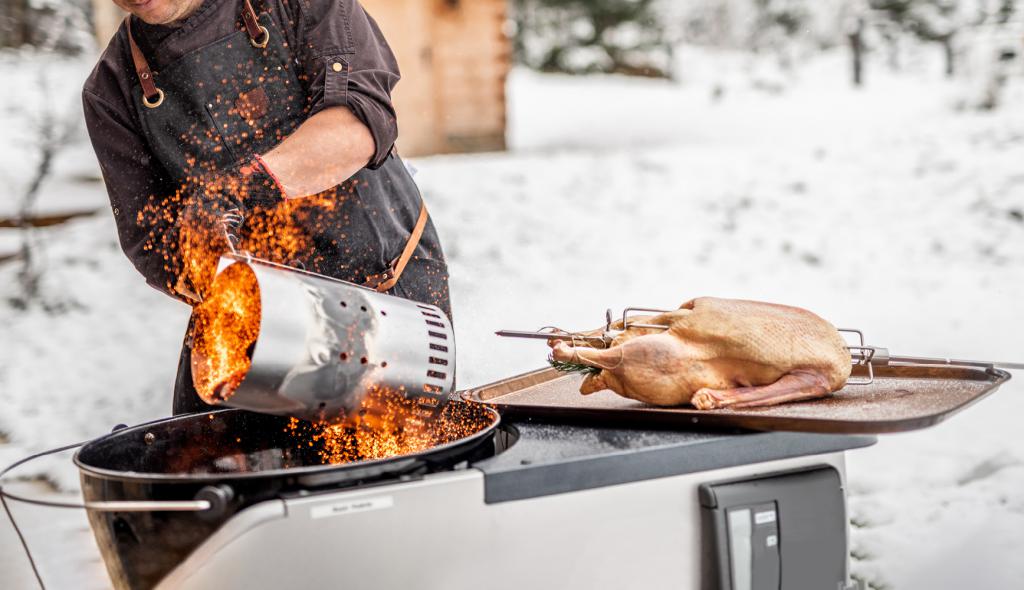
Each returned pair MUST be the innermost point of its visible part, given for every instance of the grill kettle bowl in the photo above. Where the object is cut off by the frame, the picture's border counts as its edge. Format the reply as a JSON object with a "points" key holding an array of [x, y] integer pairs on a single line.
{"points": [[251, 457]]}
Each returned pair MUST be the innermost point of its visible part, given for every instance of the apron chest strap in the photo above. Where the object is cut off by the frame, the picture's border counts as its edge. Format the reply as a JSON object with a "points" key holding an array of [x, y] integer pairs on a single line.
{"points": [[152, 96], [389, 278]]}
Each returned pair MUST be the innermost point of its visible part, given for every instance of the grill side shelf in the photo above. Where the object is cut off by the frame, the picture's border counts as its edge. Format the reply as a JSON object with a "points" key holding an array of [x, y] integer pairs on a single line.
{"points": [[902, 398]]}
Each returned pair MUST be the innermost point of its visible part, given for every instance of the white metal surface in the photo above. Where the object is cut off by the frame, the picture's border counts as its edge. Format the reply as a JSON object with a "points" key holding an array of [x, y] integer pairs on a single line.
{"points": [[439, 533]]}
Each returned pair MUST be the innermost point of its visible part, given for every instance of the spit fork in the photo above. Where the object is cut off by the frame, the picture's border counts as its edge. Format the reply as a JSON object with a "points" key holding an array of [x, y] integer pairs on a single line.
{"points": [[861, 354]]}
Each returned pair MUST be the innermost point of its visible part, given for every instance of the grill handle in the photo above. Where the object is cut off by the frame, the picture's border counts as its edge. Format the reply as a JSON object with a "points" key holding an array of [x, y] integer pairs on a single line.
{"points": [[209, 498], [210, 501]]}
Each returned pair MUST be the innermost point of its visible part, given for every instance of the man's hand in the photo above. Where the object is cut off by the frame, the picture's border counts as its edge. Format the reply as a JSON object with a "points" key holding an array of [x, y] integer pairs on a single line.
{"points": [[211, 221], [244, 187]]}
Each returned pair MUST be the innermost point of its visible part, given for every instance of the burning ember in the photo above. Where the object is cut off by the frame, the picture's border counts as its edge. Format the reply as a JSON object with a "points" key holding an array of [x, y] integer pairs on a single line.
{"points": [[286, 231], [387, 425], [282, 233], [227, 324]]}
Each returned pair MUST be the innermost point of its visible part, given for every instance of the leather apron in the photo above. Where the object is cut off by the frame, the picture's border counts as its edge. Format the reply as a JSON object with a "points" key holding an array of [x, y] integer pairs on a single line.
{"points": [[219, 106]]}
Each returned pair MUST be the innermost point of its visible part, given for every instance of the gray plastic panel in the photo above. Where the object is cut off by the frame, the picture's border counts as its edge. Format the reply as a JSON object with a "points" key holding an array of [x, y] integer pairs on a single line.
{"points": [[558, 458], [804, 510]]}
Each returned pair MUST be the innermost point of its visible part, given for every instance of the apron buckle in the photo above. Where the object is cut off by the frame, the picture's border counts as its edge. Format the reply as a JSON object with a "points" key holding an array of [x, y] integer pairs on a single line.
{"points": [[389, 278], [383, 281], [262, 40]]}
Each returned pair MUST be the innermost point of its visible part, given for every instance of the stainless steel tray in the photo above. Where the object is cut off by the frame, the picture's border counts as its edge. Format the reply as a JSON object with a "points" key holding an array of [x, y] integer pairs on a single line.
{"points": [[900, 399]]}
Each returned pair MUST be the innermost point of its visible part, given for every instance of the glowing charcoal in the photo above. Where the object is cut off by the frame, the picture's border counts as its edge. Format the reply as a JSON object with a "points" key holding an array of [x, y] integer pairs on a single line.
{"points": [[387, 425], [226, 327]]}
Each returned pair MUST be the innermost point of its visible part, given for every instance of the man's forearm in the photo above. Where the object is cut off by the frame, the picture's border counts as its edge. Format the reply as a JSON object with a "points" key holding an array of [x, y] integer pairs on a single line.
{"points": [[324, 151]]}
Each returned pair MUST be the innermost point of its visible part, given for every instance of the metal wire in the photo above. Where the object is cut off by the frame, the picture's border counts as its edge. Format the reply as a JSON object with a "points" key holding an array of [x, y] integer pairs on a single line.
{"points": [[24, 544], [625, 318], [861, 355], [5, 494], [190, 506]]}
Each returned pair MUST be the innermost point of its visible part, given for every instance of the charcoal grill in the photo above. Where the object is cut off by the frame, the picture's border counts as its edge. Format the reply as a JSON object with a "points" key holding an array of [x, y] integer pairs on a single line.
{"points": [[561, 497], [228, 499], [226, 461], [554, 495]]}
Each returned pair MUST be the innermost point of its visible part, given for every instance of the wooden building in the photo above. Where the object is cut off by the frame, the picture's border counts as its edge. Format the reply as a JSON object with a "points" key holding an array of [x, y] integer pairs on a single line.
{"points": [[454, 56]]}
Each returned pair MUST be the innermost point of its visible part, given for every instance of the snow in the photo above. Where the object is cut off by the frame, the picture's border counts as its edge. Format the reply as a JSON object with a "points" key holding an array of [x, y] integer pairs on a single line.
{"points": [[883, 208]]}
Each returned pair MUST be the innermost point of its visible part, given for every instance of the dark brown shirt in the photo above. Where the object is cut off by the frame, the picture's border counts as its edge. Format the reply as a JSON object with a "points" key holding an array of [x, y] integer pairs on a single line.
{"points": [[317, 31]]}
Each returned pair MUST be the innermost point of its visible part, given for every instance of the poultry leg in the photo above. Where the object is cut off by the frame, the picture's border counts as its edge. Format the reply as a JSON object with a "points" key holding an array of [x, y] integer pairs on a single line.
{"points": [[798, 385]]}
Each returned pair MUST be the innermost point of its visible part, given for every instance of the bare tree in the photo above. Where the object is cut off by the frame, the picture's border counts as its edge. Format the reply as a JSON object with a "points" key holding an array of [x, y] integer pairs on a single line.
{"points": [[51, 130], [856, 39], [51, 127]]}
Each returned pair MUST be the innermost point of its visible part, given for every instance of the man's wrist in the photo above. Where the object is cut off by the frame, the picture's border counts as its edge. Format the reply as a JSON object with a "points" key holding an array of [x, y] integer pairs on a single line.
{"points": [[253, 185], [261, 163]]}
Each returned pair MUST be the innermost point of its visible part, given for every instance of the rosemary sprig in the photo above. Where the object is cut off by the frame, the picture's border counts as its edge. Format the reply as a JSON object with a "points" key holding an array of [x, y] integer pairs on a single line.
{"points": [[568, 367]]}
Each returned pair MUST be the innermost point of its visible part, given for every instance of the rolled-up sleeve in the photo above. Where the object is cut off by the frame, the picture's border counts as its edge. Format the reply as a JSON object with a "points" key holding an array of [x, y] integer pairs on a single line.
{"points": [[348, 63], [137, 188]]}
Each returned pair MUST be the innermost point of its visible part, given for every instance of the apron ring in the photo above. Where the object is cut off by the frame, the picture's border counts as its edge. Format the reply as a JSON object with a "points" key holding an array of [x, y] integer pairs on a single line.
{"points": [[265, 38], [159, 99]]}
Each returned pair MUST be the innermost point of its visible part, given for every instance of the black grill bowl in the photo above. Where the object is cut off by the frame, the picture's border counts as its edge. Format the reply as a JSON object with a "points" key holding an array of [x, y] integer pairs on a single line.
{"points": [[248, 457]]}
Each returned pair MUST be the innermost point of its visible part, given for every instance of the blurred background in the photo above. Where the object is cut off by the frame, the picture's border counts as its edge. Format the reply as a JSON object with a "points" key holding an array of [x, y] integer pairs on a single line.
{"points": [[861, 158]]}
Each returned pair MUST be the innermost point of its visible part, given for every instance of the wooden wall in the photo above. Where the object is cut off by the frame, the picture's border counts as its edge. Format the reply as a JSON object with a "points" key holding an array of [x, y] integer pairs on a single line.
{"points": [[454, 57], [106, 17]]}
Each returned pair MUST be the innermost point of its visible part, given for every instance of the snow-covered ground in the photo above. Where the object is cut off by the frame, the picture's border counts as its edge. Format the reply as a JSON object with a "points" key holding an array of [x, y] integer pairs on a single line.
{"points": [[882, 208]]}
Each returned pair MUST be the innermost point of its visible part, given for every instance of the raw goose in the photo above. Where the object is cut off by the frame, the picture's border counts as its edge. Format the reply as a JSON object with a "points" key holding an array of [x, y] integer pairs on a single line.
{"points": [[719, 353]]}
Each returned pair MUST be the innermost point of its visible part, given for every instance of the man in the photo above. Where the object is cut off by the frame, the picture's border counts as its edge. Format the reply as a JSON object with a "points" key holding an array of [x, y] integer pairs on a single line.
{"points": [[269, 121]]}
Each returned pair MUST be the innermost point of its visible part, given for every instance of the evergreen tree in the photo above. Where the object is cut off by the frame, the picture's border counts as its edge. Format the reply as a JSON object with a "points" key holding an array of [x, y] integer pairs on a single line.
{"points": [[579, 36]]}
